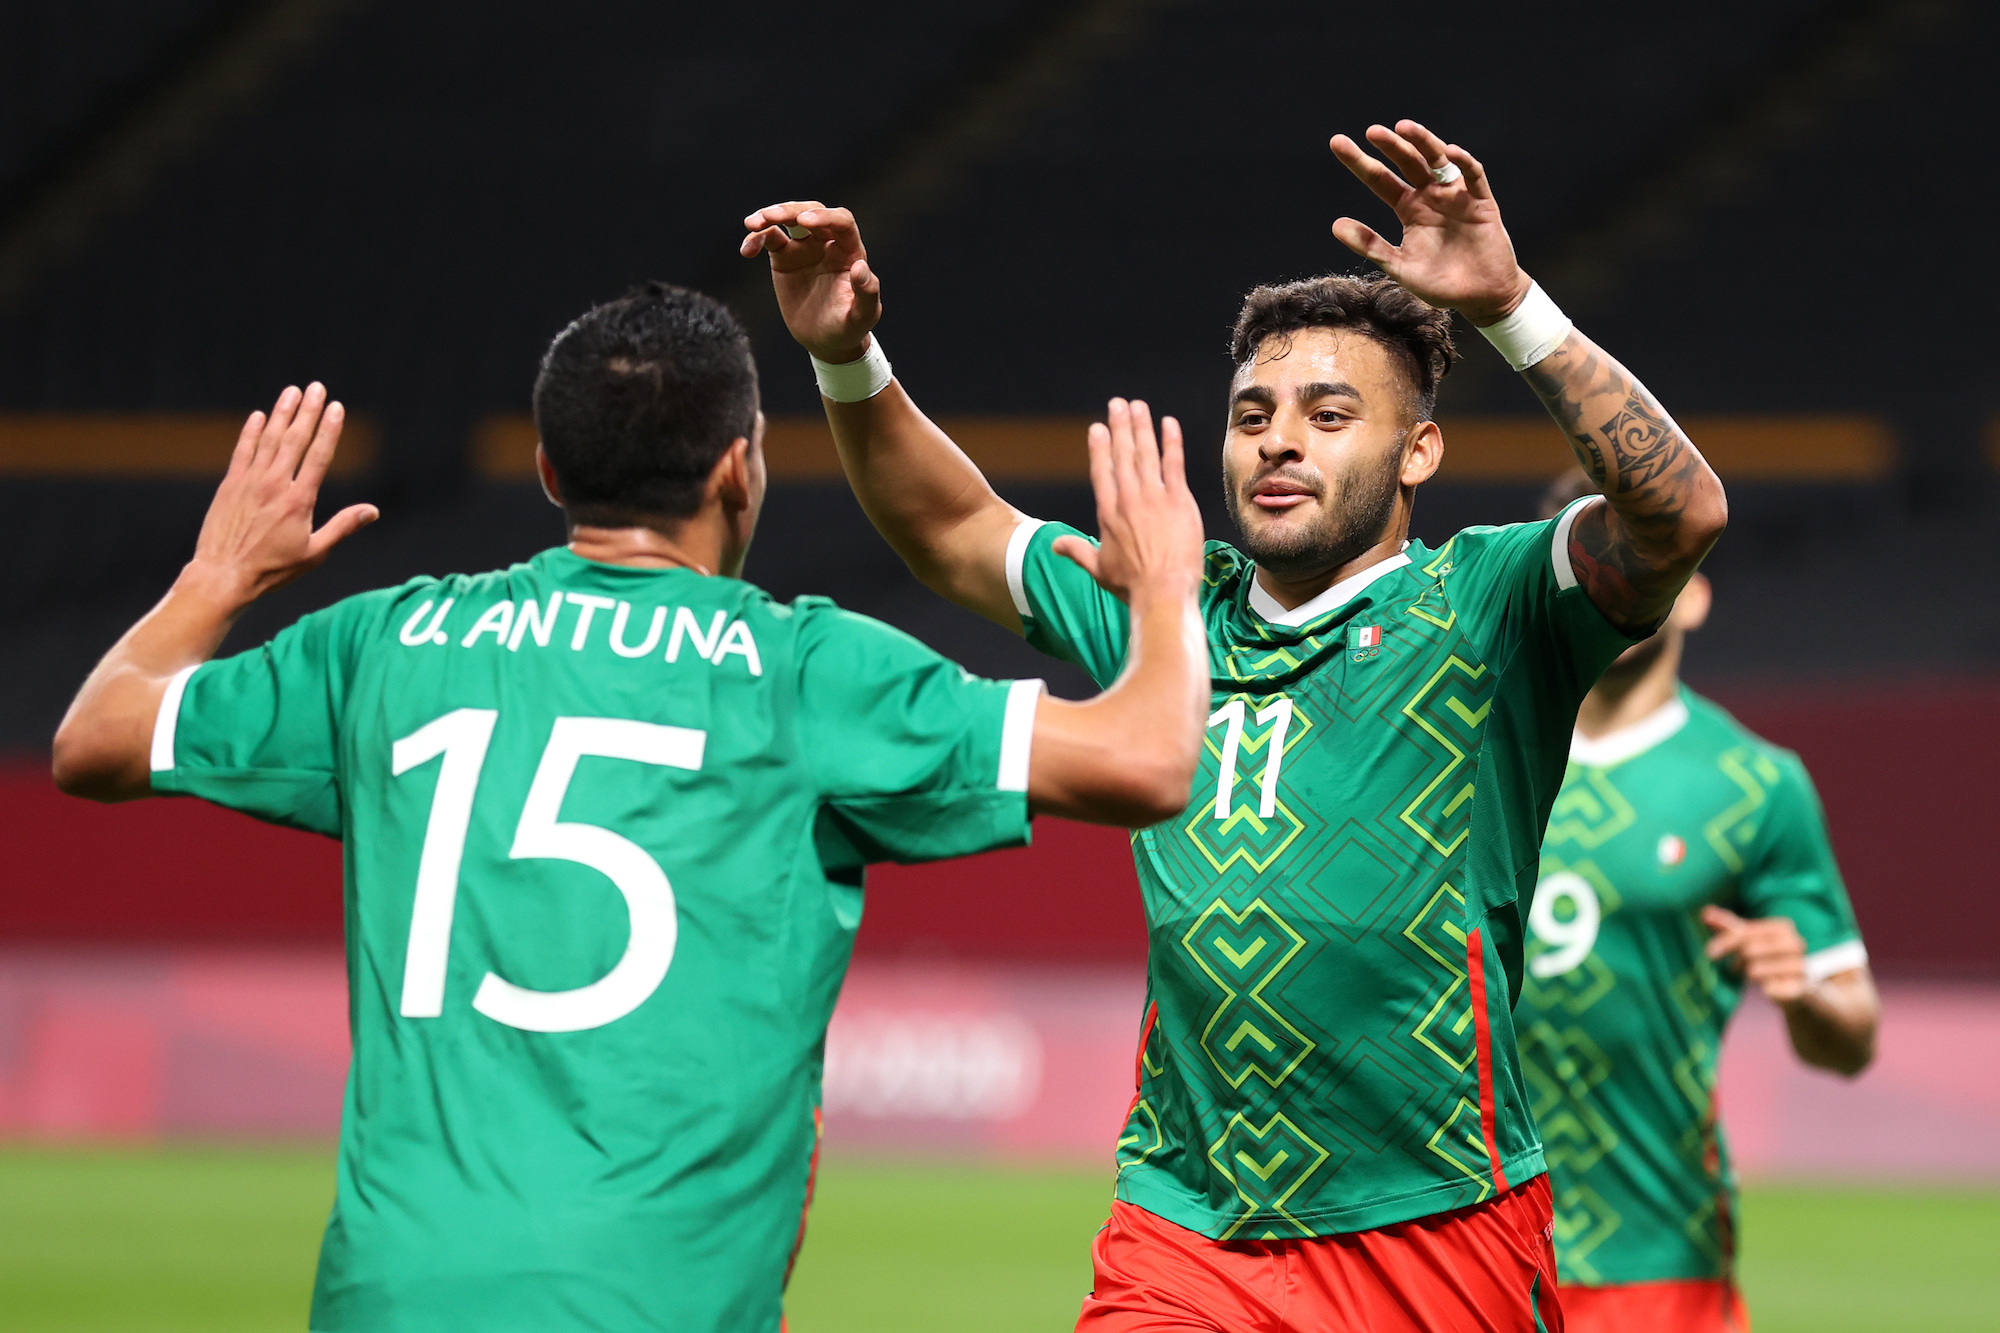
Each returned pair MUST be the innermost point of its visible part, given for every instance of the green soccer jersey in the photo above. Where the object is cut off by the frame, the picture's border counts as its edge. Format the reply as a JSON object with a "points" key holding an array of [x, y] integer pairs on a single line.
{"points": [[1621, 1015], [604, 833], [1335, 921]]}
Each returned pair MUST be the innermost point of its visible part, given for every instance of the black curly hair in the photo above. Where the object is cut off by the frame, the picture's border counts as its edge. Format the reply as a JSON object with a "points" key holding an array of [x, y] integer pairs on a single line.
{"points": [[1416, 334], [637, 401]]}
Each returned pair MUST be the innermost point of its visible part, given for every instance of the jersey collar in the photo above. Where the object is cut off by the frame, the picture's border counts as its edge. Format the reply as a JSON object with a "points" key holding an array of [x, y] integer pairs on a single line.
{"points": [[1629, 742], [1332, 599]]}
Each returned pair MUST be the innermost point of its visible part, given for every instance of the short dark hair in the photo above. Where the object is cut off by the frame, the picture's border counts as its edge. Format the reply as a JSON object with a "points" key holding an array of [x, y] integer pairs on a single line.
{"points": [[1566, 490], [638, 399], [1416, 334]]}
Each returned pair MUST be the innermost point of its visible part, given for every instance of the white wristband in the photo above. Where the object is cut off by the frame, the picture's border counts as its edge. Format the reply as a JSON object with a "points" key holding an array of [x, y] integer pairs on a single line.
{"points": [[1536, 328], [857, 381]]}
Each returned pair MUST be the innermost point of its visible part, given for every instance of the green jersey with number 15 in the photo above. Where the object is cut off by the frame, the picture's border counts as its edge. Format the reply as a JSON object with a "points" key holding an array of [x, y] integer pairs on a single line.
{"points": [[1336, 919], [604, 833]]}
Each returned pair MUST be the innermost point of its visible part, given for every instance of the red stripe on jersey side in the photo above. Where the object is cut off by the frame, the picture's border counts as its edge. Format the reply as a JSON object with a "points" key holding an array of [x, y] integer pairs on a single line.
{"points": [[1139, 1061], [805, 1209], [1145, 1035], [1482, 1044]]}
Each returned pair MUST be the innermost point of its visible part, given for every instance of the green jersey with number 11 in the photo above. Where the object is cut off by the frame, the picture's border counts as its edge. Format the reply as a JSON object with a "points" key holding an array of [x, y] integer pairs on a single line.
{"points": [[604, 833], [1336, 919], [1622, 1013]]}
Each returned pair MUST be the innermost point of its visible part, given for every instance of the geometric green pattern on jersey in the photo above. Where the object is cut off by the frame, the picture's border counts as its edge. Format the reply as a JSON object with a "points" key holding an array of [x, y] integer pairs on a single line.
{"points": [[1622, 1014], [1334, 932], [604, 833]]}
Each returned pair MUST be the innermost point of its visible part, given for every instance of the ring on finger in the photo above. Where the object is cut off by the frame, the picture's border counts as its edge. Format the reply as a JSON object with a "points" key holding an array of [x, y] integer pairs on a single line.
{"points": [[1446, 174]]}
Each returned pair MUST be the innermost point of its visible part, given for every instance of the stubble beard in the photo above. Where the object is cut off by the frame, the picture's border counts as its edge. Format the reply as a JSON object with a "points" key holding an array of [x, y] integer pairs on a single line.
{"points": [[1365, 503]]}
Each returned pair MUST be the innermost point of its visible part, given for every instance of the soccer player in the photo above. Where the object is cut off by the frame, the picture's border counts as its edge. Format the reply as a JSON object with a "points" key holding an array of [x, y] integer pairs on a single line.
{"points": [[1685, 858], [1330, 1130], [605, 817]]}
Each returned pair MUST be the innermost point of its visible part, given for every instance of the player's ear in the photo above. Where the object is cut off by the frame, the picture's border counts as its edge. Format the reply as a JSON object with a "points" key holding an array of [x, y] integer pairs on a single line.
{"points": [[1691, 607], [547, 472], [1423, 450], [737, 478]]}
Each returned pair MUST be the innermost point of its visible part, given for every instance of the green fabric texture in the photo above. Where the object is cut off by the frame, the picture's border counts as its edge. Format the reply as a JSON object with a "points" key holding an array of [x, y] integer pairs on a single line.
{"points": [[603, 872], [1312, 1063], [1622, 1013]]}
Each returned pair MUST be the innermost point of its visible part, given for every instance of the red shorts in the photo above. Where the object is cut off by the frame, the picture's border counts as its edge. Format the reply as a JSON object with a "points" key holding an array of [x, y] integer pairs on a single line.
{"points": [[1656, 1307], [1490, 1268]]}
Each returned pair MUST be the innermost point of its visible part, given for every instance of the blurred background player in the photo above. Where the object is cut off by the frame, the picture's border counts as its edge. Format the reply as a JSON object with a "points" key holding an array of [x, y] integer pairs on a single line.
{"points": [[605, 815], [1330, 1130], [1685, 858]]}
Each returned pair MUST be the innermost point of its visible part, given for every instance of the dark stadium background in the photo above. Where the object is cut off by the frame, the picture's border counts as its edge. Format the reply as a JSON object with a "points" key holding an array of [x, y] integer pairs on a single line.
{"points": [[1770, 209], [1778, 212]]}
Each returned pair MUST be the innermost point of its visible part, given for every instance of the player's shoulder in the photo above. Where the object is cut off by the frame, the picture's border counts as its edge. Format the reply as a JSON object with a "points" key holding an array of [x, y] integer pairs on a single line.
{"points": [[435, 596], [1713, 727], [822, 624], [1484, 549]]}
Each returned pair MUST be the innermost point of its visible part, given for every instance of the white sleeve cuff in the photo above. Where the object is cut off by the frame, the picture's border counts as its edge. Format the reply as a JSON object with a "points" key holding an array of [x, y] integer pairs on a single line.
{"points": [[1831, 962], [168, 718], [1017, 734], [1559, 545], [1017, 559]]}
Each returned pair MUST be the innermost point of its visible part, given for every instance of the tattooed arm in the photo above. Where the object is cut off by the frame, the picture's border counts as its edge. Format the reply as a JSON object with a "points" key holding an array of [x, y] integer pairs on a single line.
{"points": [[1666, 506]]}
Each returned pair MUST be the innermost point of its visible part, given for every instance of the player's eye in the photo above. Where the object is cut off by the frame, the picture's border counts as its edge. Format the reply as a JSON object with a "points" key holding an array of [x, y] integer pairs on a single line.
{"points": [[1252, 420], [1328, 416]]}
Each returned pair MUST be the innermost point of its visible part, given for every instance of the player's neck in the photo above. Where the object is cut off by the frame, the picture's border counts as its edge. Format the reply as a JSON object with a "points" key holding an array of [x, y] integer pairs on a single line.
{"points": [[1294, 589], [690, 545], [1617, 702]]}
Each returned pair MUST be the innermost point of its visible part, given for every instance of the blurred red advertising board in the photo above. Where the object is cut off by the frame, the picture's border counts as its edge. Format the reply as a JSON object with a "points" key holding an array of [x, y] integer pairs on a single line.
{"points": [[964, 1060]]}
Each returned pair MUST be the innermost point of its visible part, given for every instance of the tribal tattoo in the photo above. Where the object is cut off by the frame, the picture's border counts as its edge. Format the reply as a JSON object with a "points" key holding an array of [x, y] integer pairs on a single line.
{"points": [[1634, 554]]}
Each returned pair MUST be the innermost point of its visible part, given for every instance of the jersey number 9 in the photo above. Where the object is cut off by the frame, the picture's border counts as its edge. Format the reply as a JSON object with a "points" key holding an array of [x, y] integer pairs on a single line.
{"points": [[1569, 939]]}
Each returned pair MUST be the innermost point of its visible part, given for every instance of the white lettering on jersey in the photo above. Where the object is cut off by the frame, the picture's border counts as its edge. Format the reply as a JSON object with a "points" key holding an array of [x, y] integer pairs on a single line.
{"points": [[587, 605], [528, 619], [496, 620], [512, 625], [431, 633], [618, 622], [704, 644], [736, 640]]}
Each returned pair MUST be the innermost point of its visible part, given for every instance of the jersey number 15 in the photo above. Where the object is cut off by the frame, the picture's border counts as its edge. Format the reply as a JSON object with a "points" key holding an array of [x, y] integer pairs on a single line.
{"points": [[462, 737]]}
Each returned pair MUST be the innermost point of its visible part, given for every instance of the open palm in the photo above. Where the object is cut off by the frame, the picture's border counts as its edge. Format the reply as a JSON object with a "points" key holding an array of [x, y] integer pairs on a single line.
{"points": [[1454, 252]]}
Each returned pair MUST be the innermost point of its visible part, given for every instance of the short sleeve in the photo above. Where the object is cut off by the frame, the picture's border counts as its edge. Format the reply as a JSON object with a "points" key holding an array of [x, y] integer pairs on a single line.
{"points": [[1791, 872], [1519, 593], [1063, 610], [259, 732], [915, 758]]}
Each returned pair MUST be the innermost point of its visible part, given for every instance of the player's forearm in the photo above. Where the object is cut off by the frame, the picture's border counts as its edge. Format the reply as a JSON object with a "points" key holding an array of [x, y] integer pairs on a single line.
{"points": [[103, 747], [1666, 505], [1128, 756], [927, 499], [1833, 1025]]}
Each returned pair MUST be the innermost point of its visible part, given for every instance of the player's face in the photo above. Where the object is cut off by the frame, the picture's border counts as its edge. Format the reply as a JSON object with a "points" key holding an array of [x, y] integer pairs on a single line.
{"points": [[1312, 463]]}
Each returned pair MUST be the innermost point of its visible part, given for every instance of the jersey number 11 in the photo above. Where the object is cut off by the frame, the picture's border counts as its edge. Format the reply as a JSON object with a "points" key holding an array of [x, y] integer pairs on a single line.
{"points": [[1279, 714]]}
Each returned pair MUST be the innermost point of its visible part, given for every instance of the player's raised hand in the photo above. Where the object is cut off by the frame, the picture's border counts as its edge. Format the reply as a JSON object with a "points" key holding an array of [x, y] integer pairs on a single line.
{"points": [[1454, 252], [259, 530], [1147, 520], [1769, 950], [828, 295]]}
